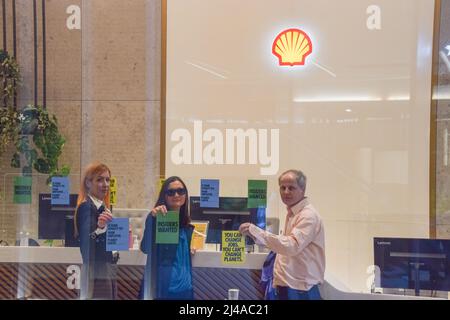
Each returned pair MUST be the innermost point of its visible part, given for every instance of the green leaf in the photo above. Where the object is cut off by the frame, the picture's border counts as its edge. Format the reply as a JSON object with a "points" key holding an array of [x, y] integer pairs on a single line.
{"points": [[33, 155], [15, 161], [42, 166], [65, 170], [23, 144]]}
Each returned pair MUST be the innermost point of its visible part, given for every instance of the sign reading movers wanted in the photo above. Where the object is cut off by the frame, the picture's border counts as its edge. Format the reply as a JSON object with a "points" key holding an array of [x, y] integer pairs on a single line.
{"points": [[167, 227], [117, 235], [233, 247]]}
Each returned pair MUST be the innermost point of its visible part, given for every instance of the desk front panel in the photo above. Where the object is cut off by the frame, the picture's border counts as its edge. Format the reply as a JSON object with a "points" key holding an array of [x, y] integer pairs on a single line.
{"points": [[50, 281]]}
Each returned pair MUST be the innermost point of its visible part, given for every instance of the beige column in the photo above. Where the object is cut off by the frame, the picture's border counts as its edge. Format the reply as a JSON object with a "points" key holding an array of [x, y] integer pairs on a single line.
{"points": [[25, 51], [121, 94]]}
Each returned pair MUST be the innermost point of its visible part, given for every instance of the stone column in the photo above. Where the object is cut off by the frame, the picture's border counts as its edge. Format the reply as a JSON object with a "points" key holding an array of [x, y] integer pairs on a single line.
{"points": [[121, 94], [153, 108], [25, 51]]}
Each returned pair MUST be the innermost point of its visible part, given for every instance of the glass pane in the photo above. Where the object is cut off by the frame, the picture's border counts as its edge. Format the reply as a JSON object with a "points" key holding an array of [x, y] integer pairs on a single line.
{"points": [[230, 91]]}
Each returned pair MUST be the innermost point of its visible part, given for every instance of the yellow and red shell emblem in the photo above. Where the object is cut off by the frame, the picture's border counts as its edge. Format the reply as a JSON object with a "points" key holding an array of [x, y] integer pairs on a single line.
{"points": [[292, 46]]}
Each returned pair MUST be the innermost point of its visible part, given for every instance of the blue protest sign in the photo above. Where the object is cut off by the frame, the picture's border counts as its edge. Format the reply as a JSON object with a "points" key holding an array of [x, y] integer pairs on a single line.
{"points": [[209, 193], [117, 237], [60, 190]]}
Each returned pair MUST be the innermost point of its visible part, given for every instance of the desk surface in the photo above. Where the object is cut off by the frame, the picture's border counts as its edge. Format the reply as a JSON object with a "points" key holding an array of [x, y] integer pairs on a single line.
{"points": [[206, 259]]}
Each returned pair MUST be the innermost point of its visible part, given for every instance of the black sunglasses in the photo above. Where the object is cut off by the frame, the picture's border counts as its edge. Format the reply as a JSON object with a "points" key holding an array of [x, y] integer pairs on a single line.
{"points": [[171, 192]]}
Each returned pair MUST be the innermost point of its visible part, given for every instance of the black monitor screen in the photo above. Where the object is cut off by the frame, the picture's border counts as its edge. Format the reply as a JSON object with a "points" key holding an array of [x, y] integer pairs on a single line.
{"points": [[232, 212], [52, 218], [402, 261]]}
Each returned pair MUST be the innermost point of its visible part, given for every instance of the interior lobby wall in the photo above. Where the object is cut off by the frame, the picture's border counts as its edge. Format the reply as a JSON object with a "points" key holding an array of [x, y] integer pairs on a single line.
{"points": [[103, 84], [442, 97], [355, 118]]}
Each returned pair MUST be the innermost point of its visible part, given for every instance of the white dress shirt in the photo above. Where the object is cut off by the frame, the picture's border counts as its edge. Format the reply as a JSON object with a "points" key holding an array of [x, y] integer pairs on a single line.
{"points": [[98, 203], [300, 261]]}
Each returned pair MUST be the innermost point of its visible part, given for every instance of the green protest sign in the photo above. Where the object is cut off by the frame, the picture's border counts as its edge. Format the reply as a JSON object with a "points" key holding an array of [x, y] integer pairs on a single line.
{"points": [[167, 228], [257, 193], [22, 190]]}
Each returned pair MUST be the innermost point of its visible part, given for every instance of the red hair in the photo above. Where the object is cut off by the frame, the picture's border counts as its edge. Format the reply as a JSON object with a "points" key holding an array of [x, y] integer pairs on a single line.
{"points": [[92, 170]]}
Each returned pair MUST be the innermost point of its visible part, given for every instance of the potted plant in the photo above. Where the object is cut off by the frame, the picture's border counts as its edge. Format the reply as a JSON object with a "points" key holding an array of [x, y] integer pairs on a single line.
{"points": [[33, 131], [9, 80]]}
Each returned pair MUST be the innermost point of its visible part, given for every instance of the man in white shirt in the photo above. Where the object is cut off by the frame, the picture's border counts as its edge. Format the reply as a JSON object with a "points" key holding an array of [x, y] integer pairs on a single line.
{"points": [[300, 262]]}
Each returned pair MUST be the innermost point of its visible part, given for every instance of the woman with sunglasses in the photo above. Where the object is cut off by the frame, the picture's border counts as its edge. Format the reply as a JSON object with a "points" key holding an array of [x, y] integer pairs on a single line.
{"points": [[172, 262]]}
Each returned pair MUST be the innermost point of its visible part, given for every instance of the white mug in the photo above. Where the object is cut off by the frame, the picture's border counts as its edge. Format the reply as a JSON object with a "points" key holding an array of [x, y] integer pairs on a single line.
{"points": [[233, 294]]}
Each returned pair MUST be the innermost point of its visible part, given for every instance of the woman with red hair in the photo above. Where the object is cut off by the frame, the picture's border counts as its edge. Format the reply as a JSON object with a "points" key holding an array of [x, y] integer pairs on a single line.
{"points": [[91, 218]]}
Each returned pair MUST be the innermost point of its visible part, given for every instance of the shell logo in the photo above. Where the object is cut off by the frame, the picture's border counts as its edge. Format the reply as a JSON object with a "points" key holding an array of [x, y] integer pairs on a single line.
{"points": [[292, 46]]}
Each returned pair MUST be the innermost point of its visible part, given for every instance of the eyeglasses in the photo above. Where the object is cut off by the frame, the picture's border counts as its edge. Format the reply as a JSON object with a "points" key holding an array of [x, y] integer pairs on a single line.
{"points": [[171, 192]]}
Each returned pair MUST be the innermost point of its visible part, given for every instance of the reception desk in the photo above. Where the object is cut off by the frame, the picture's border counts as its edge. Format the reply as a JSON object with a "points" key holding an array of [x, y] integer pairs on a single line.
{"points": [[48, 273]]}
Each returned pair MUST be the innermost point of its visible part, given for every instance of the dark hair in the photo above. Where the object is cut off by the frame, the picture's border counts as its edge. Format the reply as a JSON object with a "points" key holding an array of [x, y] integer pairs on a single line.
{"points": [[185, 219]]}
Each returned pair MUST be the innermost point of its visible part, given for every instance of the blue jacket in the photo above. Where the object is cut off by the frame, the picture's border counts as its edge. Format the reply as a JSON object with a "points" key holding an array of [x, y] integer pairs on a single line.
{"points": [[93, 249], [98, 272], [267, 276], [160, 261]]}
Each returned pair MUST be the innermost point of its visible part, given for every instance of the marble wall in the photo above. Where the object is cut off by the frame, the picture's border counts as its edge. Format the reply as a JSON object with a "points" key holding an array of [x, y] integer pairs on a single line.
{"points": [[103, 85]]}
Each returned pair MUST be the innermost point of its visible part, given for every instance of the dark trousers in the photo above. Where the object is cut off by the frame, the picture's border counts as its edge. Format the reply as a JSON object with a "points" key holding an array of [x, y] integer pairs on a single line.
{"points": [[286, 293]]}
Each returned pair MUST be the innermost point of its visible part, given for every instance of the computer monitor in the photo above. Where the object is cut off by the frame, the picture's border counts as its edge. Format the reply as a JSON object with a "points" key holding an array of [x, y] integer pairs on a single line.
{"points": [[53, 218], [413, 263], [232, 212]]}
